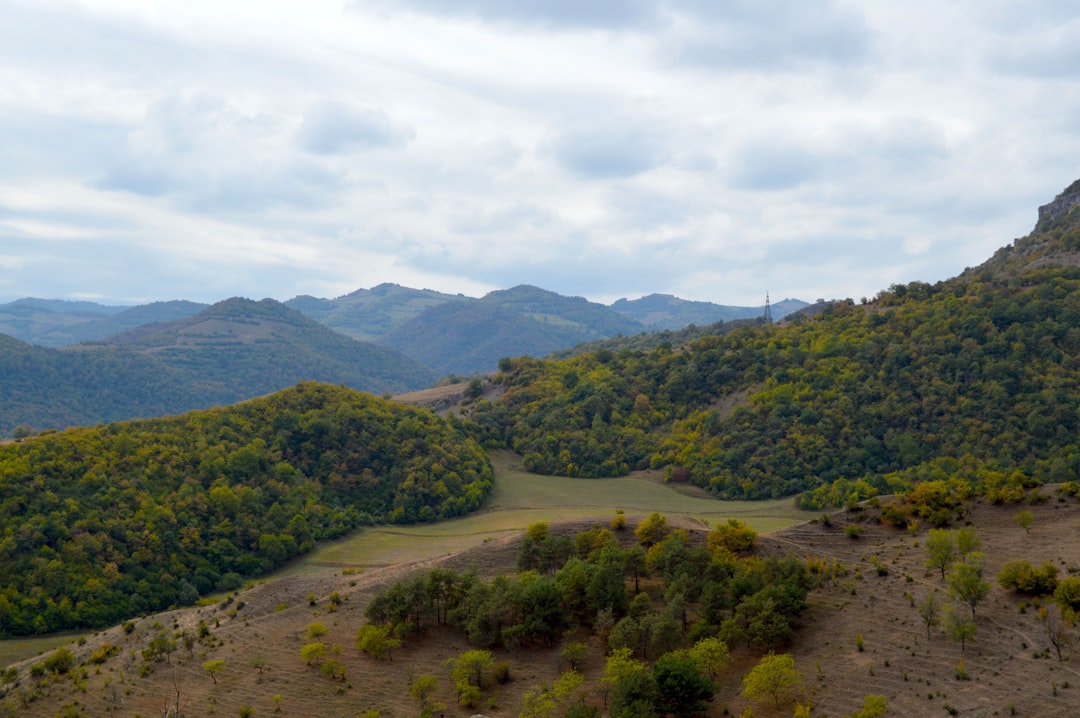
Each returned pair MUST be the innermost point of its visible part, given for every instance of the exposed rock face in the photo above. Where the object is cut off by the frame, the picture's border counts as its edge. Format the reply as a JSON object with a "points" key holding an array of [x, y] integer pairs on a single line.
{"points": [[1062, 203]]}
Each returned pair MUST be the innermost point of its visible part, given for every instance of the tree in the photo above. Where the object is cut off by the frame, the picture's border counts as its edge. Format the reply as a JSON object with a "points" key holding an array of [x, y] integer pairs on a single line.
{"points": [[967, 542], [421, 689], [377, 641], [959, 627], [711, 655], [468, 669], [315, 630], [930, 612], [966, 582], [1057, 631], [635, 696], [872, 707], [775, 677], [1067, 596], [313, 652], [634, 565], [652, 529], [575, 653], [213, 668], [733, 537], [940, 549], [620, 664], [681, 687], [1024, 519]]}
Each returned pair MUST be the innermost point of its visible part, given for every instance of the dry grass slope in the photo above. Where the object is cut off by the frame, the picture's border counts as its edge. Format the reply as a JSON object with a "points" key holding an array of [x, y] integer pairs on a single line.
{"points": [[1008, 669]]}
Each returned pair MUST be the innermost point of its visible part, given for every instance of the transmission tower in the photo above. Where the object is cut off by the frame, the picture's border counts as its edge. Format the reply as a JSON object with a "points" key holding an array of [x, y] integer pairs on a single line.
{"points": [[768, 309]]}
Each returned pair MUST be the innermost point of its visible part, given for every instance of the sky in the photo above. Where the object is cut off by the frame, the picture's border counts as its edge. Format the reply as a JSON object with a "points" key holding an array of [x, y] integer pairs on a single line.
{"points": [[716, 150]]}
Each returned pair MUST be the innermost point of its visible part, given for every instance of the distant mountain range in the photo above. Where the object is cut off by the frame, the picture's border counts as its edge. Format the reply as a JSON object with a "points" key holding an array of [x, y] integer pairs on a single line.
{"points": [[228, 352], [450, 333], [67, 363]]}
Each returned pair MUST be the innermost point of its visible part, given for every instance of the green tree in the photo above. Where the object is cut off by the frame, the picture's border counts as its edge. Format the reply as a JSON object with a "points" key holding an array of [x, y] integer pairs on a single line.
{"points": [[1024, 519], [315, 630], [966, 582], [377, 641], [967, 542], [959, 627], [930, 611], [313, 652], [423, 686], [575, 653], [468, 669], [1067, 596], [635, 696], [681, 687], [775, 677], [872, 707], [711, 655], [940, 549]]}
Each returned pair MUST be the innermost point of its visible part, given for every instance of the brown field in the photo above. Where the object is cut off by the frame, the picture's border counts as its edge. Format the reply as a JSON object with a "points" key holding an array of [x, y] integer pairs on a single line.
{"points": [[1008, 671]]}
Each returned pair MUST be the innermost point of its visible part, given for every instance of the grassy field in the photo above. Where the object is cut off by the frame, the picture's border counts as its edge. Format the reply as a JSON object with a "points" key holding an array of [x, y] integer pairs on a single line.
{"points": [[519, 499]]}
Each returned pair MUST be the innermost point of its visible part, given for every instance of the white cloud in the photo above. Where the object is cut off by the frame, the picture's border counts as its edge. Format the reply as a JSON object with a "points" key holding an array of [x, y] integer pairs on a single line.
{"points": [[712, 150]]}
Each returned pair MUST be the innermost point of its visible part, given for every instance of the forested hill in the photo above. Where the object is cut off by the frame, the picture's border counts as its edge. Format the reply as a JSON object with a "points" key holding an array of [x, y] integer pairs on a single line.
{"points": [[469, 337], [101, 524], [234, 350], [51, 388], [976, 376]]}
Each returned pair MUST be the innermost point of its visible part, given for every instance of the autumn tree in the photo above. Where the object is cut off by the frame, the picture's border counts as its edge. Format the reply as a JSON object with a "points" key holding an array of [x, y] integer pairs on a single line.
{"points": [[775, 677], [214, 668], [652, 529]]}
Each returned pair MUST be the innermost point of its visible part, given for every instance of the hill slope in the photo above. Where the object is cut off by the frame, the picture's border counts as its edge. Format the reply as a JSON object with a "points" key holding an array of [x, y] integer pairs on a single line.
{"points": [[982, 367], [663, 311], [231, 351], [367, 314], [52, 388], [263, 346], [105, 523], [470, 337], [872, 601], [49, 322]]}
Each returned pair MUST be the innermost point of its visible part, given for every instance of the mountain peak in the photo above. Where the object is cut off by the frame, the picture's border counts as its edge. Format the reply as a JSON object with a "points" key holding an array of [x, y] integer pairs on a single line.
{"points": [[1067, 200]]}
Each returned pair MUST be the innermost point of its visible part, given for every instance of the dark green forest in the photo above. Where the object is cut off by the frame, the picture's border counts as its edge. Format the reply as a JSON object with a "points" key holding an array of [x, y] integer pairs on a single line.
{"points": [[100, 524]]}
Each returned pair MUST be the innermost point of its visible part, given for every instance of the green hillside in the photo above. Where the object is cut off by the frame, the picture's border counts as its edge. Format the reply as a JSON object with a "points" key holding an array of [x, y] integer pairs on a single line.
{"points": [[253, 348], [663, 311], [46, 388], [367, 314], [229, 352], [101, 524], [470, 337], [976, 375]]}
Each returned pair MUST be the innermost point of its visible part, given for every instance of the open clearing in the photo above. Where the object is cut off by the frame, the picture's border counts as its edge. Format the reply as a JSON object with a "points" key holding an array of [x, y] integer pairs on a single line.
{"points": [[520, 498]]}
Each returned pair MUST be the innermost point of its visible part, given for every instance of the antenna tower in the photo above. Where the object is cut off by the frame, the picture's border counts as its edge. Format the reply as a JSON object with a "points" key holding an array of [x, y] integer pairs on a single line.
{"points": [[768, 309]]}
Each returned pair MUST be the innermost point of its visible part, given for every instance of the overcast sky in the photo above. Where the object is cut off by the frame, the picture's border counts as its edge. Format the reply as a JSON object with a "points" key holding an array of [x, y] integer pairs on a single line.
{"points": [[711, 149]]}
